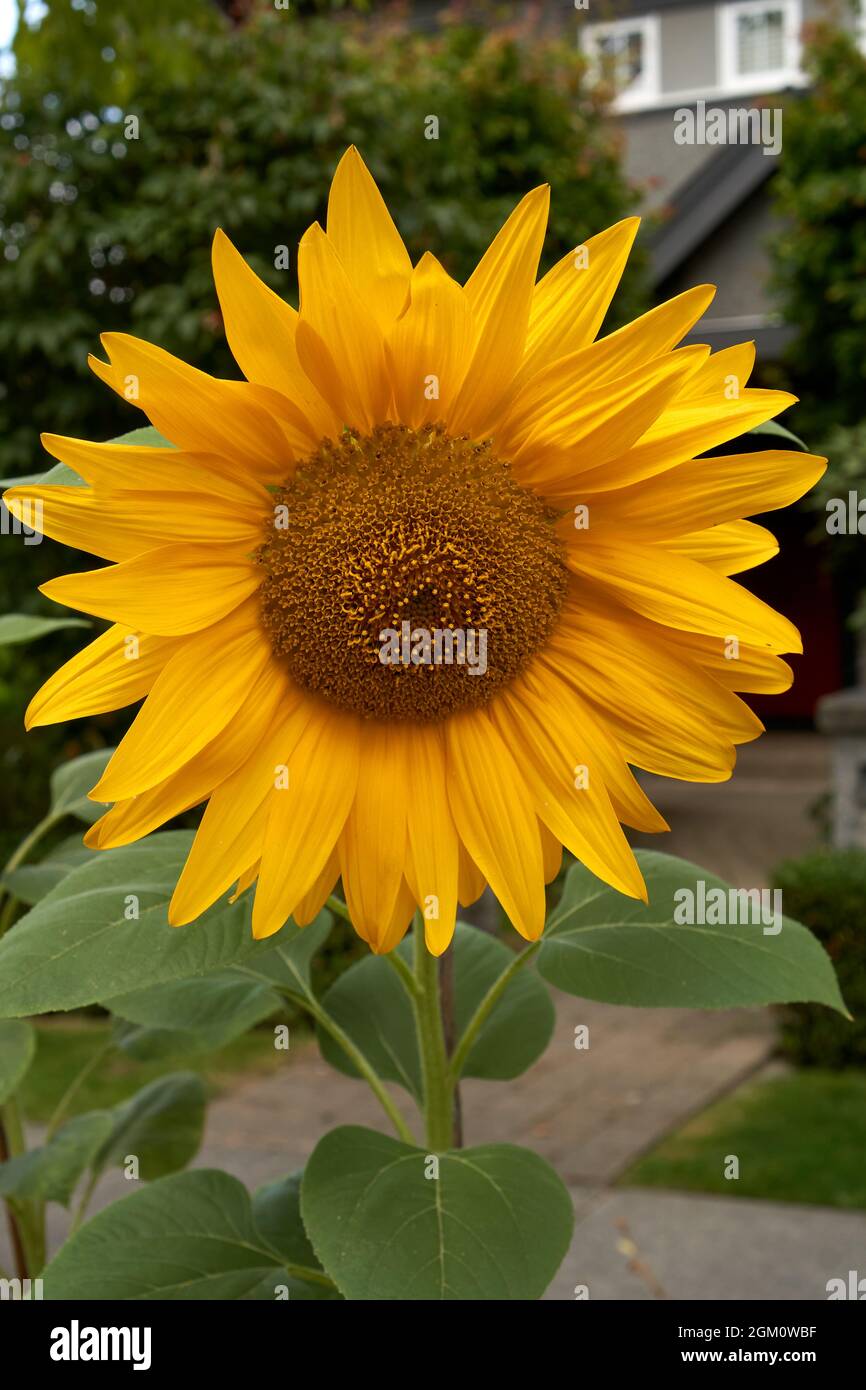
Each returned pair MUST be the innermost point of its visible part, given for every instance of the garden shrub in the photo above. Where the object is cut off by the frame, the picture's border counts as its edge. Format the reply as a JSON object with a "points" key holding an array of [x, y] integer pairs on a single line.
{"points": [[827, 892]]}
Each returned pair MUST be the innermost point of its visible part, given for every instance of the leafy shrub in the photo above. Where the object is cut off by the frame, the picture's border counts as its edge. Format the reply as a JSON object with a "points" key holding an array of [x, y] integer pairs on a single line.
{"points": [[827, 892], [820, 253], [240, 127]]}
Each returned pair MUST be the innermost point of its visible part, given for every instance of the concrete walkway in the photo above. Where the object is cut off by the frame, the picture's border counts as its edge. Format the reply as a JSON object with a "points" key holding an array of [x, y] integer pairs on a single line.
{"points": [[592, 1112]]}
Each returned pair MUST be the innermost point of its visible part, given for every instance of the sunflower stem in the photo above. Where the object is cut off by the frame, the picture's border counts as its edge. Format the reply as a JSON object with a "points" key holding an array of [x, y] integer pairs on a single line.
{"points": [[435, 1071], [488, 1003]]}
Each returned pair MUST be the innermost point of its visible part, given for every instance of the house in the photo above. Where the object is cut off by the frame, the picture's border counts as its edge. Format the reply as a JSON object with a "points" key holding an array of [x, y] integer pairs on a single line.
{"points": [[698, 94]]}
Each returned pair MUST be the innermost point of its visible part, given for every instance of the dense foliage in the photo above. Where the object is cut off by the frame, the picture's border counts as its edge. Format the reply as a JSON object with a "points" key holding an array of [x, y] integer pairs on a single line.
{"points": [[827, 892], [820, 254]]}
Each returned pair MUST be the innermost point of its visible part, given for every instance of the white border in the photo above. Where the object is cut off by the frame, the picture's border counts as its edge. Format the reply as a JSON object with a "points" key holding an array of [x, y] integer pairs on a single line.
{"points": [[730, 80], [646, 91]]}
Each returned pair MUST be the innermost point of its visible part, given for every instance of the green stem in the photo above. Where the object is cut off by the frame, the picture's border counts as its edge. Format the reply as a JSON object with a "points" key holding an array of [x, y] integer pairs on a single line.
{"points": [[18, 858], [339, 908], [356, 1056], [72, 1090], [435, 1071], [26, 1215], [86, 1195], [490, 1000], [398, 964]]}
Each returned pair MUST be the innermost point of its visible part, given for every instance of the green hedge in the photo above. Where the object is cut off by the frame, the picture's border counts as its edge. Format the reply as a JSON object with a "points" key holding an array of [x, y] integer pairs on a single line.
{"points": [[827, 891], [239, 127]]}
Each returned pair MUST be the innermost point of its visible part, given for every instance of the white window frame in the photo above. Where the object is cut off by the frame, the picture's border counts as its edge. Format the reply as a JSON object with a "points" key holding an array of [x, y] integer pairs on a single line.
{"points": [[731, 81], [647, 90]]}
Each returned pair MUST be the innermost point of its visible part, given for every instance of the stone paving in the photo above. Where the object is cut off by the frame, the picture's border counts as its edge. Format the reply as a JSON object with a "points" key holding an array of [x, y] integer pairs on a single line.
{"points": [[592, 1112]]}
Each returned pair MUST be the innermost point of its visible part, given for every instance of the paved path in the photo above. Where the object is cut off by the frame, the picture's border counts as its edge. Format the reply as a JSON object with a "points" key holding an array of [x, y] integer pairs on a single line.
{"points": [[590, 1113]]}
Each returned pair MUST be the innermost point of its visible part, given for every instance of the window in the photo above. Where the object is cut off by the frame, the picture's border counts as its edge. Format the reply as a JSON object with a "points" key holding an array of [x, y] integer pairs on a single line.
{"points": [[759, 45], [626, 53]]}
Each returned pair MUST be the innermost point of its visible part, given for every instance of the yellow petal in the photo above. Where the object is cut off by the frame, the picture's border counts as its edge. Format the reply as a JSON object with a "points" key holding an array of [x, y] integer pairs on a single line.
{"points": [[704, 492], [129, 523], [307, 813], [199, 690], [261, 329], [728, 549], [119, 467], [340, 344], [194, 411], [567, 785], [366, 240], [554, 382], [373, 843], [115, 670], [570, 302], [170, 591], [577, 432], [230, 836], [495, 818], [677, 592], [129, 820], [433, 844], [429, 347], [500, 293], [310, 905]]}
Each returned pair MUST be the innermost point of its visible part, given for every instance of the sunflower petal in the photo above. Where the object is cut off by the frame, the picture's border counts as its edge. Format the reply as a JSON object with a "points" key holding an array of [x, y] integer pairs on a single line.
{"points": [[363, 233]]}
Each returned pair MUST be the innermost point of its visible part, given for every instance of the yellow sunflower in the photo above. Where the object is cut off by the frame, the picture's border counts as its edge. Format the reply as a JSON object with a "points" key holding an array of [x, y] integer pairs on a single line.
{"points": [[407, 604]]}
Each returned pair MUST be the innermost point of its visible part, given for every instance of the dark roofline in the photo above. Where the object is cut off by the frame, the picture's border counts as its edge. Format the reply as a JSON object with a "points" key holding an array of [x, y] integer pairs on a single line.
{"points": [[704, 202]]}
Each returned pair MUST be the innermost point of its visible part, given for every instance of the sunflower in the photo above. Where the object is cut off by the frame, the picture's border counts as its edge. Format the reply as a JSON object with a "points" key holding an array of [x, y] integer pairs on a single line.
{"points": [[407, 605]]}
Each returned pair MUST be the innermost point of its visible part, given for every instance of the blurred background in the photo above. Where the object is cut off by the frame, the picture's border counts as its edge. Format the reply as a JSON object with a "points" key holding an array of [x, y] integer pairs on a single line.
{"points": [[129, 132]]}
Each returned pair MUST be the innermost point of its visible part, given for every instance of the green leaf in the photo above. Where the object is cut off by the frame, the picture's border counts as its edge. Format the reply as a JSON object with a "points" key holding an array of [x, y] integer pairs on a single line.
{"points": [[25, 627], [286, 964], [772, 427], [71, 781], [277, 1214], [31, 882], [51, 1173], [188, 1237], [200, 1015], [80, 944], [17, 1049], [602, 945], [494, 1224], [161, 1126], [371, 1005]]}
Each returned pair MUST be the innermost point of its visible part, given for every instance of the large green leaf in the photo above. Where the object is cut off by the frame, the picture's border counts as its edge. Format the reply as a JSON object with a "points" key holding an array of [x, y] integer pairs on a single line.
{"points": [[24, 627], [70, 783], [80, 944], [371, 1005], [51, 1172], [17, 1049], [601, 945], [200, 1014], [161, 1126], [495, 1223], [191, 1236], [31, 882]]}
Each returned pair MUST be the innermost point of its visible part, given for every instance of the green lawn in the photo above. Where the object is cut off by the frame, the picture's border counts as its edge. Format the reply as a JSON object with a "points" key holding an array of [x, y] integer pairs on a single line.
{"points": [[798, 1138], [65, 1047]]}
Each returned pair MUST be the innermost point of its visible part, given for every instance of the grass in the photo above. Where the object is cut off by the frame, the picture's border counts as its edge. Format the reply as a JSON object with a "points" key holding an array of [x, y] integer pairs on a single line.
{"points": [[65, 1047], [799, 1138]]}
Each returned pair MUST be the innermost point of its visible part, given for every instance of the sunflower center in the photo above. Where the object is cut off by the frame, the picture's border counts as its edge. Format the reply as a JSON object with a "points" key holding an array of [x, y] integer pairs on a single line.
{"points": [[407, 575]]}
